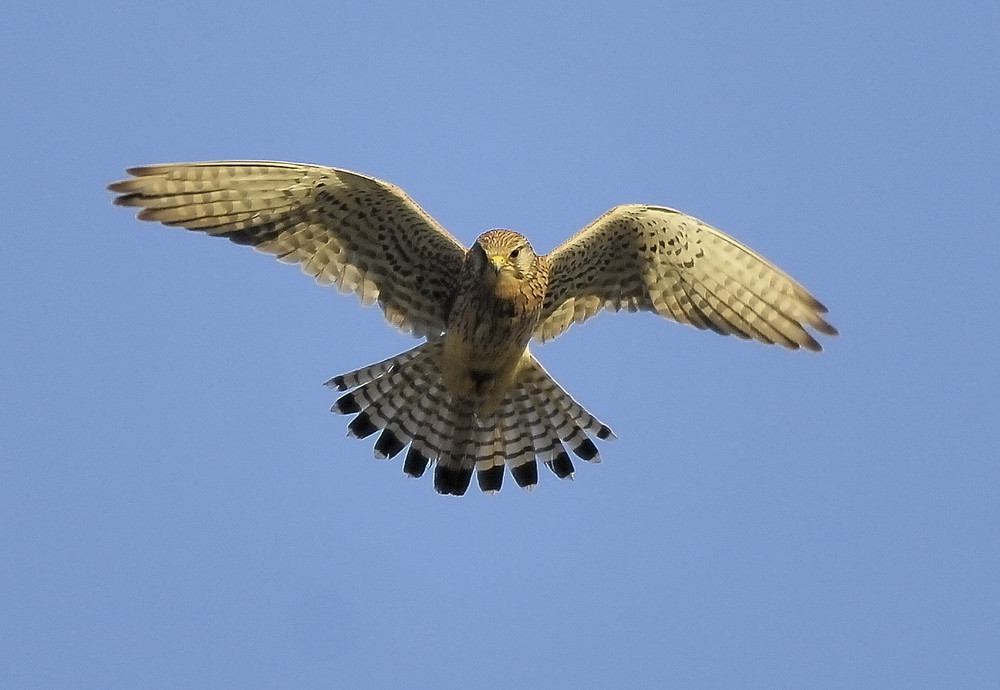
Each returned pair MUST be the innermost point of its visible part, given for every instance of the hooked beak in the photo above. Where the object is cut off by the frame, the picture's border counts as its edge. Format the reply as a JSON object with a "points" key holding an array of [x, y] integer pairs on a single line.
{"points": [[498, 262]]}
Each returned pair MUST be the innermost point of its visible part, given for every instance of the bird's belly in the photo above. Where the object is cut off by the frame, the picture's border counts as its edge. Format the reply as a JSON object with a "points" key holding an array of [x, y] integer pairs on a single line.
{"points": [[480, 363]]}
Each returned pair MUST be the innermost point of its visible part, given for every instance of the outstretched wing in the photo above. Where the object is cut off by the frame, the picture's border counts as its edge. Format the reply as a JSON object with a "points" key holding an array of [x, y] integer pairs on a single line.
{"points": [[657, 259], [361, 234]]}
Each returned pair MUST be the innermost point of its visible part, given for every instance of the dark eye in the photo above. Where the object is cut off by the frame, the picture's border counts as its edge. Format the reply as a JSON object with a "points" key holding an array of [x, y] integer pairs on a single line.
{"points": [[514, 253]]}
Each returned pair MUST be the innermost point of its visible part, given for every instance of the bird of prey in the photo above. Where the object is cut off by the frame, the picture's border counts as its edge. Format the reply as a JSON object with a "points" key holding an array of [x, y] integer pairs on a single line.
{"points": [[472, 397]]}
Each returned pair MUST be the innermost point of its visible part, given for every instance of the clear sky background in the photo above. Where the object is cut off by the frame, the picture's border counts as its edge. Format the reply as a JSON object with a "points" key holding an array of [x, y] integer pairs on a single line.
{"points": [[178, 508]]}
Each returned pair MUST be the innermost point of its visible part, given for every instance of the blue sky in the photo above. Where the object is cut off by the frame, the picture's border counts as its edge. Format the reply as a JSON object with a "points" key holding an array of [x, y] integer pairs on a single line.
{"points": [[179, 509]]}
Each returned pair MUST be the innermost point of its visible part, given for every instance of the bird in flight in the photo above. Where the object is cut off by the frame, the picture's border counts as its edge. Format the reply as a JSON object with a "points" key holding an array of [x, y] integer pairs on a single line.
{"points": [[472, 398]]}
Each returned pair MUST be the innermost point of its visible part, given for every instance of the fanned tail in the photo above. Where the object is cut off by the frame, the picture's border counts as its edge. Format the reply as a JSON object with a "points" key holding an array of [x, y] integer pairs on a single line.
{"points": [[404, 398]]}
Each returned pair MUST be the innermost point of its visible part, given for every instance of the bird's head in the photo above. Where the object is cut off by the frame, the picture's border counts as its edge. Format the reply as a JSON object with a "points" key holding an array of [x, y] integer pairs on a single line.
{"points": [[504, 258]]}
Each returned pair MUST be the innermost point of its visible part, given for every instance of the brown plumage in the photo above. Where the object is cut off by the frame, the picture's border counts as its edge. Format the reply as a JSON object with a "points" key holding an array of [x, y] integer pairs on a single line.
{"points": [[472, 397]]}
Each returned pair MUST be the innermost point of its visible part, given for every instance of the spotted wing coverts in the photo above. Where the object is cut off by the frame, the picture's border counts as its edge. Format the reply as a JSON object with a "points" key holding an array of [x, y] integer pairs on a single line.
{"points": [[361, 234], [472, 399], [656, 259]]}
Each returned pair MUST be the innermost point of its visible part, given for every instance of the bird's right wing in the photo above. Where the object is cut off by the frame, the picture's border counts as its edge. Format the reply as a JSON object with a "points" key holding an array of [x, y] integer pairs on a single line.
{"points": [[657, 259], [361, 234]]}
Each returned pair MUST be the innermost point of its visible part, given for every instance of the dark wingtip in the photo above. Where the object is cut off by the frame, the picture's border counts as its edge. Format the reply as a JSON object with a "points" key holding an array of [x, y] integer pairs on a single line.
{"points": [[605, 433], [827, 328], [125, 187], [141, 170], [811, 344], [125, 197]]}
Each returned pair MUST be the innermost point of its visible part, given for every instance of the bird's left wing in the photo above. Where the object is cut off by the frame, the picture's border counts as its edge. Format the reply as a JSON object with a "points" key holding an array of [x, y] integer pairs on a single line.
{"points": [[361, 234], [656, 259]]}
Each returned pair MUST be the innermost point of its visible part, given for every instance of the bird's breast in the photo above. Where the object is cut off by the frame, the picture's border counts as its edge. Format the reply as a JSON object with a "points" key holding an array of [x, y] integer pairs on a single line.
{"points": [[485, 340]]}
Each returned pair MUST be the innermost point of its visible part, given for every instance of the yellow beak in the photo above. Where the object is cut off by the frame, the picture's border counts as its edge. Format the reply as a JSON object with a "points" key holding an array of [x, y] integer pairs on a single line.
{"points": [[498, 261]]}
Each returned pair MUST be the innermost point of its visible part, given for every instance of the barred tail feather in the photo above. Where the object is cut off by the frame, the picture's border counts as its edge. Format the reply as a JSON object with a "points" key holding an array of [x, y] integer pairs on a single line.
{"points": [[547, 444], [489, 466], [403, 397], [520, 451], [353, 379], [453, 472], [572, 414]]}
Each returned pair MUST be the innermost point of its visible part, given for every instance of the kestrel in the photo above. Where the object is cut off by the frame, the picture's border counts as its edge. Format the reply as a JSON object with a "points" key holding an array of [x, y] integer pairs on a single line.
{"points": [[472, 396]]}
